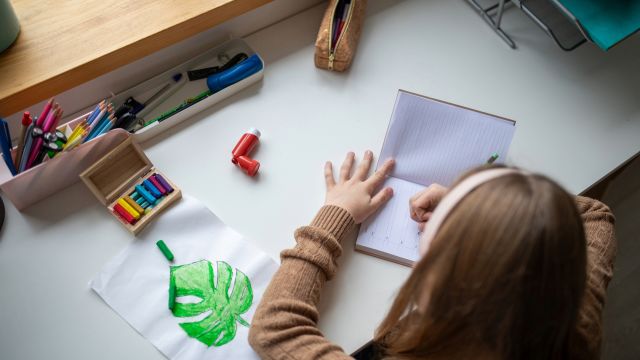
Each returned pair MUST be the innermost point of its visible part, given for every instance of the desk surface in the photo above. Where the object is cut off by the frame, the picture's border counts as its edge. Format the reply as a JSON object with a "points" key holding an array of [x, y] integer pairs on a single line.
{"points": [[66, 43], [578, 117]]}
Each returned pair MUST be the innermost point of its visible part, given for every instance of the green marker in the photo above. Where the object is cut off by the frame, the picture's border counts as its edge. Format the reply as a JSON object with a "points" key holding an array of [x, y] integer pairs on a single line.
{"points": [[493, 158], [165, 250], [185, 104]]}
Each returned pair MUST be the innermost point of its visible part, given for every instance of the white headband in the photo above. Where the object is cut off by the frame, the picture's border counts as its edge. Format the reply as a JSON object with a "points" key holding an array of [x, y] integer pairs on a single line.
{"points": [[453, 198]]}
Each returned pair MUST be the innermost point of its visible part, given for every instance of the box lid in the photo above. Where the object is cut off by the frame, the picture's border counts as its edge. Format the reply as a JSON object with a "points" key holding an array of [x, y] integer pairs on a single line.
{"points": [[116, 171]]}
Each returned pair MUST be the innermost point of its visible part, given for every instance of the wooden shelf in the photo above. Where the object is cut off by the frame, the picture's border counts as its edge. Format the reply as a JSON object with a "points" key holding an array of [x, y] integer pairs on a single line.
{"points": [[64, 43]]}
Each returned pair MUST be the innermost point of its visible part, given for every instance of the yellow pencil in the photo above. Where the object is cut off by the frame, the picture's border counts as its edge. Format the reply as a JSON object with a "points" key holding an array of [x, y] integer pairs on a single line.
{"points": [[77, 128], [76, 131], [77, 140]]}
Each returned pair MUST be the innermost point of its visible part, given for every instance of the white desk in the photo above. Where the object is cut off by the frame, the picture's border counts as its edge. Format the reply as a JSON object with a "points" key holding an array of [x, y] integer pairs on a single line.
{"points": [[578, 117]]}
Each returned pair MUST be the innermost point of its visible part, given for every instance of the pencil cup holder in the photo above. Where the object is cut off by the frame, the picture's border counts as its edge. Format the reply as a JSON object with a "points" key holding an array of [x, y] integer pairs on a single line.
{"points": [[9, 25]]}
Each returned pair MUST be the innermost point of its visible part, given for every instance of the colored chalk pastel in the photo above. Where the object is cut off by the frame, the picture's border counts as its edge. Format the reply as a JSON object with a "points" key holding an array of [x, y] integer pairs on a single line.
{"points": [[165, 250], [129, 208], [157, 184], [120, 216], [140, 201], [124, 214], [144, 204], [145, 194], [134, 195], [133, 204], [132, 213], [152, 189], [148, 210], [163, 182]]}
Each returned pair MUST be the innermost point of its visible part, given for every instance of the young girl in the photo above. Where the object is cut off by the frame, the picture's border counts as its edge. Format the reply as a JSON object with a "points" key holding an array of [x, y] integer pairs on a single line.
{"points": [[512, 267]]}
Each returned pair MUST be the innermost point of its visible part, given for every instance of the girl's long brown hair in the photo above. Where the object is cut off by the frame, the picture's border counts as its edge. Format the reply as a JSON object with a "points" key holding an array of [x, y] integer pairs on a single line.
{"points": [[503, 279]]}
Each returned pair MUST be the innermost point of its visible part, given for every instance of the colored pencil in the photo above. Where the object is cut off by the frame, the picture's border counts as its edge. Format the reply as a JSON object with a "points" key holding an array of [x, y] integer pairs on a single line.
{"points": [[37, 145], [45, 112]]}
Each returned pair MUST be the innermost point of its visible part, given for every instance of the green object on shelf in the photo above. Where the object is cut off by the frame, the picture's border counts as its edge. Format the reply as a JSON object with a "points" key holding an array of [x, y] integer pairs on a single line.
{"points": [[185, 104], [9, 25]]}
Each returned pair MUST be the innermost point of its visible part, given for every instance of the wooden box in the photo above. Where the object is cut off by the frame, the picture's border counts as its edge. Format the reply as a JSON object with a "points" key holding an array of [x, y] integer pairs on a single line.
{"points": [[116, 175]]}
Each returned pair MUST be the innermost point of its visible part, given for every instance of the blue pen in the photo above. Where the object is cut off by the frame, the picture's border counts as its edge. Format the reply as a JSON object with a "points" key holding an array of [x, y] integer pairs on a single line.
{"points": [[154, 190], [145, 194], [5, 143]]}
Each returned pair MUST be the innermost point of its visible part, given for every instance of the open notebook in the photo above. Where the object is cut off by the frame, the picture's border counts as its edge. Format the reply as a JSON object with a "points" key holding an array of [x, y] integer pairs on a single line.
{"points": [[432, 142]]}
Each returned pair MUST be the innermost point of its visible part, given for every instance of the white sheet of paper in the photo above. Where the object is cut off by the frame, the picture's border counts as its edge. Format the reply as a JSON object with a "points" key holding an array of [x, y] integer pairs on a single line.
{"points": [[390, 233], [135, 283], [432, 142]]}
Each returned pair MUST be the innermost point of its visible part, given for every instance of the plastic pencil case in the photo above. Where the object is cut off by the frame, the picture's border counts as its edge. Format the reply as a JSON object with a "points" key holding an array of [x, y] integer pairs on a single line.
{"points": [[339, 34], [216, 56], [53, 175], [62, 171]]}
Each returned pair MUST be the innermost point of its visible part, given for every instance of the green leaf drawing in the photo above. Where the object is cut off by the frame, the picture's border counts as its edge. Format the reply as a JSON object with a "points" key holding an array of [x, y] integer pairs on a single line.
{"points": [[197, 279]]}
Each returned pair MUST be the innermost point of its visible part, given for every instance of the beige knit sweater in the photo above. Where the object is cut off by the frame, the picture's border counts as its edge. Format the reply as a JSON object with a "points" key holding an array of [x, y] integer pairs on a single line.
{"points": [[285, 323]]}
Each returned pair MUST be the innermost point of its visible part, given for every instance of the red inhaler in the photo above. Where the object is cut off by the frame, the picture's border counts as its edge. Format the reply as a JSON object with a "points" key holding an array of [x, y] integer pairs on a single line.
{"points": [[240, 152]]}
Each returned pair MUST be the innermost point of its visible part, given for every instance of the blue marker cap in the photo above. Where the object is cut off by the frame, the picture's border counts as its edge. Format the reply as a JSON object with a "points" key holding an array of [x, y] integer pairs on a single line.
{"points": [[242, 70]]}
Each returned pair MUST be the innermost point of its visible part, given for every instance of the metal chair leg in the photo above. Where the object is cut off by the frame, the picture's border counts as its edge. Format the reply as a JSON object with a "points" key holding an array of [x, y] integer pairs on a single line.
{"points": [[494, 24]]}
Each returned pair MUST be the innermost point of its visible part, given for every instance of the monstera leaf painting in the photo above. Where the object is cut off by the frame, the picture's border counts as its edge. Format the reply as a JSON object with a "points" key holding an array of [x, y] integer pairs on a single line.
{"points": [[217, 309]]}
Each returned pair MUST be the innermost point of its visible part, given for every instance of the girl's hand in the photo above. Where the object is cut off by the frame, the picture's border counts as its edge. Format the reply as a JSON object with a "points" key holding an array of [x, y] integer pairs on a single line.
{"points": [[357, 194], [422, 204]]}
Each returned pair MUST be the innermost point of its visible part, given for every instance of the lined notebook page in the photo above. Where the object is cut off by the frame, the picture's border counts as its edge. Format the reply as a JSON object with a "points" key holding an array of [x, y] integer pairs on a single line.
{"points": [[432, 142], [390, 233]]}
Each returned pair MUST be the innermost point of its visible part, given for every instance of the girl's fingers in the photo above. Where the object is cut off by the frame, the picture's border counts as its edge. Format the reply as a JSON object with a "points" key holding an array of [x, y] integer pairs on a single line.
{"points": [[345, 169], [381, 197], [420, 204], [416, 214], [328, 175], [378, 177], [365, 165], [421, 226]]}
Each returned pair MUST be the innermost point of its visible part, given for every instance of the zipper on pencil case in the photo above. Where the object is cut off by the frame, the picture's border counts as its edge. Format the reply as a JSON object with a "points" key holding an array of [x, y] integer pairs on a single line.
{"points": [[332, 45]]}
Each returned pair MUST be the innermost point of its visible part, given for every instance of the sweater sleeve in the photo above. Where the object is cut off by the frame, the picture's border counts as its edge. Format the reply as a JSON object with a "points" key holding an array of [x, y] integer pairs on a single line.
{"points": [[285, 323], [601, 251]]}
